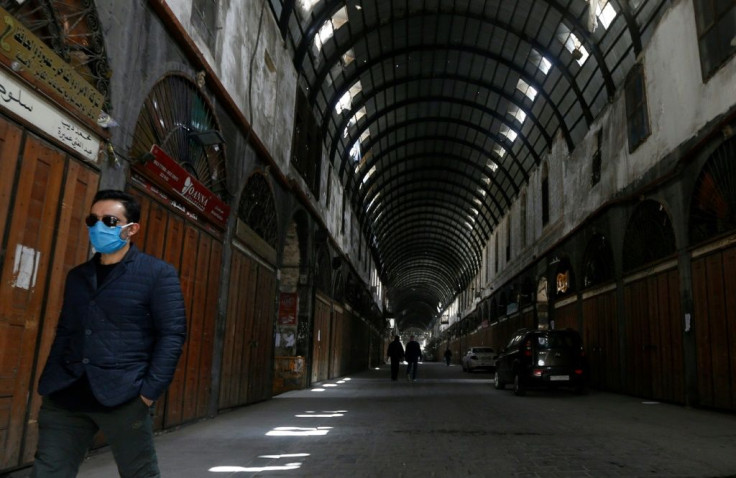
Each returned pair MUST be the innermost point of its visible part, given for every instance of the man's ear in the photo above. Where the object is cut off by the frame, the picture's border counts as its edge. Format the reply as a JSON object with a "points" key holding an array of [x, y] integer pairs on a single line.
{"points": [[131, 230]]}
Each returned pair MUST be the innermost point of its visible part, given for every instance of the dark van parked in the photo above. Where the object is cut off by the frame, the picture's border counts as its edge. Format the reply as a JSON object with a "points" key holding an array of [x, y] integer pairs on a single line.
{"points": [[542, 358]]}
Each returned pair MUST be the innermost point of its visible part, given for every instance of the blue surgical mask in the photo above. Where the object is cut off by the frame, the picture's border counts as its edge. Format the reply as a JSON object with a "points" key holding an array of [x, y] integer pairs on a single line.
{"points": [[106, 240]]}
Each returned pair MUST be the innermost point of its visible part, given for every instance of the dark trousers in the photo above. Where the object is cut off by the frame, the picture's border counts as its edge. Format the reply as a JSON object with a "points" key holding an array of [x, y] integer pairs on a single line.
{"points": [[395, 369], [64, 436], [411, 369]]}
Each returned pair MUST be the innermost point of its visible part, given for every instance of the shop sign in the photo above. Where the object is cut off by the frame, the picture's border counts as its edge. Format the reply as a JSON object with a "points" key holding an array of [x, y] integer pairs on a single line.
{"points": [[287, 308], [36, 110], [162, 169], [22, 48]]}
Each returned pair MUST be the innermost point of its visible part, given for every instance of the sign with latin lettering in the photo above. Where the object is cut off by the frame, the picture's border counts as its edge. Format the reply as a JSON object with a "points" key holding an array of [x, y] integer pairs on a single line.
{"points": [[162, 169], [28, 53], [16, 97]]}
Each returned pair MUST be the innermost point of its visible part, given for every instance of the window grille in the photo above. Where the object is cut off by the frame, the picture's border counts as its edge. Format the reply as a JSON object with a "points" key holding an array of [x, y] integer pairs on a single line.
{"points": [[258, 210], [713, 203]]}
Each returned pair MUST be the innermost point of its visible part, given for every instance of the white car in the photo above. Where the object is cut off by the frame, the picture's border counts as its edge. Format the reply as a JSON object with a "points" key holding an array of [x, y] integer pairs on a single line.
{"points": [[478, 358]]}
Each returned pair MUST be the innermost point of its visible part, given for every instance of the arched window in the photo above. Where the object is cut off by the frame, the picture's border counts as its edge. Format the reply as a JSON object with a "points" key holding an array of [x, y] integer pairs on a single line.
{"points": [[598, 261], [74, 31], [713, 203], [179, 119], [258, 210], [649, 235]]}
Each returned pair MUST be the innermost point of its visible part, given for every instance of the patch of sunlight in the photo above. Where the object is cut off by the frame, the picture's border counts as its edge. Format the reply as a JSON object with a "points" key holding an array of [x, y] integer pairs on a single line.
{"points": [[298, 432], [254, 469]]}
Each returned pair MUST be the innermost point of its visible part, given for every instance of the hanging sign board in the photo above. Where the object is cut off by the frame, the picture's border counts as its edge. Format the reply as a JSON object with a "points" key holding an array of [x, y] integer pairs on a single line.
{"points": [[166, 172], [16, 97], [31, 56]]}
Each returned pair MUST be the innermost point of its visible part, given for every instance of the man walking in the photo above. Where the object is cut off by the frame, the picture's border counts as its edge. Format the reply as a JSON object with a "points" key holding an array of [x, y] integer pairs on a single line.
{"points": [[413, 355], [118, 340], [396, 354]]}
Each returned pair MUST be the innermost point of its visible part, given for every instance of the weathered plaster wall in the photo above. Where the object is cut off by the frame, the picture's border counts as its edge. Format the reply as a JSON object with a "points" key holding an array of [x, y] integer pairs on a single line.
{"points": [[247, 35], [264, 95], [680, 105]]}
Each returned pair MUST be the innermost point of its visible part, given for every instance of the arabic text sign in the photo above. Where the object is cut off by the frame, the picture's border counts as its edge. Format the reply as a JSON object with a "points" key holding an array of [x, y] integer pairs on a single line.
{"points": [[164, 170], [35, 109], [19, 44]]}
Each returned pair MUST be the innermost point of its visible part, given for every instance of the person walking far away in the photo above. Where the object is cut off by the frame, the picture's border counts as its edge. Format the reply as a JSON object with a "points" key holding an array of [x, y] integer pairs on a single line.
{"points": [[118, 340], [448, 356], [396, 354], [413, 355]]}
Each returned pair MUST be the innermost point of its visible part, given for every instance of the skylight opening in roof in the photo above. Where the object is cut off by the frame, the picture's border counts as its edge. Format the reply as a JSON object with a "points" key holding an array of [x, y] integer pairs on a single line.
{"points": [[369, 174], [572, 43], [373, 201], [327, 30], [524, 87], [536, 59], [499, 150], [356, 117], [355, 152], [606, 14], [509, 133], [348, 57], [346, 101], [517, 113], [306, 6]]}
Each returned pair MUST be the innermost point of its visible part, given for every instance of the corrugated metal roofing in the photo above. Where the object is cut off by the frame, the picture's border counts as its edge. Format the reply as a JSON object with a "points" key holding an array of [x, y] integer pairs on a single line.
{"points": [[453, 104]]}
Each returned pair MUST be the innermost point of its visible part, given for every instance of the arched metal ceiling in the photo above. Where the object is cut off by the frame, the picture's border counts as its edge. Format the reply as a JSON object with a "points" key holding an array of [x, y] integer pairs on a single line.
{"points": [[437, 105]]}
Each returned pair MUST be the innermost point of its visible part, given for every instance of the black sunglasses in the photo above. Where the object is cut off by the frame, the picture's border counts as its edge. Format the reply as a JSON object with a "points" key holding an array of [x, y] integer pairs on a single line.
{"points": [[109, 221]]}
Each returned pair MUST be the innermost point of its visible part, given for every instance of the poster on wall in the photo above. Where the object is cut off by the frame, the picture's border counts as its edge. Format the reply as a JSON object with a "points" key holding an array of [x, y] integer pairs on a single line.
{"points": [[287, 308]]}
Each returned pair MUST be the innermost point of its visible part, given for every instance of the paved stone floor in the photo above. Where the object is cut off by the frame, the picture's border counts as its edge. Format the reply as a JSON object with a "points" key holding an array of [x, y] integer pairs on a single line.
{"points": [[446, 424]]}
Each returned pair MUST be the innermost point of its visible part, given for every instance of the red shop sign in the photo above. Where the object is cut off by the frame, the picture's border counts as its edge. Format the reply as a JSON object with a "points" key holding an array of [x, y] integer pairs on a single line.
{"points": [[171, 176], [287, 308]]}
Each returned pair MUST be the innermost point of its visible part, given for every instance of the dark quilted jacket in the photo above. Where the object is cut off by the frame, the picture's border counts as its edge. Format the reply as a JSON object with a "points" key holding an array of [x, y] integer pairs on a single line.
{"points": [[127, 335]]}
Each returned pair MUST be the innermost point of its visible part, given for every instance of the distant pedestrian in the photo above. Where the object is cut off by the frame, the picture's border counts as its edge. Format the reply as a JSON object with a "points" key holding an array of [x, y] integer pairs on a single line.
{"points": [[396, 354], [448, 356], [413, 355]]}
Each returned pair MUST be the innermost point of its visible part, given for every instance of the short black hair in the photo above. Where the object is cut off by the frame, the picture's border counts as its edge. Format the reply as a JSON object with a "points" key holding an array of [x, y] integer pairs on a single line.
{"points": [[130, 203]]}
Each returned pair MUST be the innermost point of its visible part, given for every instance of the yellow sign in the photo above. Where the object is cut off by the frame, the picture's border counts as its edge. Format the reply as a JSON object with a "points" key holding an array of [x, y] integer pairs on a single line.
{"points": [[19, 44], [563, 282]]}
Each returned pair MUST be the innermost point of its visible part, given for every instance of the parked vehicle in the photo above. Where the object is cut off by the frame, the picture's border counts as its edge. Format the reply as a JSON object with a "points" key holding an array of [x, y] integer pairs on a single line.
{"points": [[478, 358], [542, 358]]}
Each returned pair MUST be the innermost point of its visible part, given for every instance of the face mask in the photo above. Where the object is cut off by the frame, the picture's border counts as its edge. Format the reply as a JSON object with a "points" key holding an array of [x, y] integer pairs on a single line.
{"points": [[106, 240]]}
